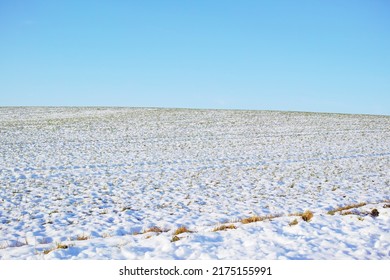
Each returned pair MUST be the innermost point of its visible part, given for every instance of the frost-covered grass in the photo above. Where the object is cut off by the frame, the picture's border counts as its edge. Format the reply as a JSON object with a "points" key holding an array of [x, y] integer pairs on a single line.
{"points": [[124, 183]]}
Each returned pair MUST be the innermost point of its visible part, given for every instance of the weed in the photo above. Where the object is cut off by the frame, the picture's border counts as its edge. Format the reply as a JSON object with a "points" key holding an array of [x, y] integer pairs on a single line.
{"points": [[254, 219], [347, 207], [296, 214], [175, 238], [58, 246], [224, 227], [293, 223], [83, 237], [349, 213], [47, 251], [154, 229], [126, 208], [180, 230], [61, 246], [374, 213], [307, 215]]}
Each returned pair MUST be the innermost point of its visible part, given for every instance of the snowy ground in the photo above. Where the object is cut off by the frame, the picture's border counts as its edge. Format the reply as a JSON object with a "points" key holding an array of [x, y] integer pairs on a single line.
{"points": [[88, 183]]}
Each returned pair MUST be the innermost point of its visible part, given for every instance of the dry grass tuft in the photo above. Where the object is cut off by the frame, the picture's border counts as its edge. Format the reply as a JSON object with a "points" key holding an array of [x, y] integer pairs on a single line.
{"points": [[175, 238], [386, 206], [293, 223], [58, 246], [255, 219], [180, 230], [224, 227], [47, 251], [374, 212], [61, 246], [349, 213], [154, 229], [347, 207], [83, 237], [252, 219], [307, 215], [296, 214]]}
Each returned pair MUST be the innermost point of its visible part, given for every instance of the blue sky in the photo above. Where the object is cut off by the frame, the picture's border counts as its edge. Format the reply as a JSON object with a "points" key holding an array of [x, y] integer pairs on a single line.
{"points": [[323, 56]]}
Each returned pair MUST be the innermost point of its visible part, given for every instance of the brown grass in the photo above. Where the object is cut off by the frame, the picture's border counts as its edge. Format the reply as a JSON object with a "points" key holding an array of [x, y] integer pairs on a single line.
{"points": [[293, 223], [255, 219], [296, 214], [47, 251], [347, 207], [58, 246], [349, 213], [180, 230], [307, 215], [61, 246], [175, 238], [374, 213], [83, 237], [224, 227], [154, 229]]}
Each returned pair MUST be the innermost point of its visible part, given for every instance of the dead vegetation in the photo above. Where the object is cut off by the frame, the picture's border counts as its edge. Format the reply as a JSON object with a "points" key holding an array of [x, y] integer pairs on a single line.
{"points": [[224, 227], [374, 212], [307, 215], [175, 238], [255, 219], [155, 229], [82, 237], [293, 223], [181, 230], [59, 246], [347, 207]]}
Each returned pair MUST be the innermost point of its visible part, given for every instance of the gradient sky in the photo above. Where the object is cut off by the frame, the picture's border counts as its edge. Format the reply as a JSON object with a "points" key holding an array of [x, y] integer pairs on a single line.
{"points": [[322, 56]]}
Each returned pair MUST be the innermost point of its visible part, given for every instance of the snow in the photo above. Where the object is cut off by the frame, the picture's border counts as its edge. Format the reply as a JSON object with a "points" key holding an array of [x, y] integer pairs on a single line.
{"points": [[94, 179]]}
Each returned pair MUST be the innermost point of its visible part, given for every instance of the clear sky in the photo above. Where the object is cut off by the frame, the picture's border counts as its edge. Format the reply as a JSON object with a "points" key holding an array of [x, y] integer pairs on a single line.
{"points": [[324, 56]]}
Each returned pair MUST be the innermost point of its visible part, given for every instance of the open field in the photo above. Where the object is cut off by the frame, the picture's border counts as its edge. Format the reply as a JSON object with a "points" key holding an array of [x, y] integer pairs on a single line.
{"points": [[132, 183]]}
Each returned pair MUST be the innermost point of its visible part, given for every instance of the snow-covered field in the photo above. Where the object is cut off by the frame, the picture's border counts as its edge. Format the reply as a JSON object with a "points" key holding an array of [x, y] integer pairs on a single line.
{"points": [[101, 183]]}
